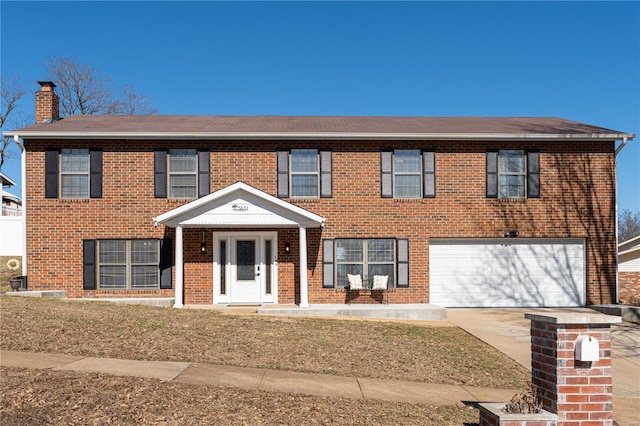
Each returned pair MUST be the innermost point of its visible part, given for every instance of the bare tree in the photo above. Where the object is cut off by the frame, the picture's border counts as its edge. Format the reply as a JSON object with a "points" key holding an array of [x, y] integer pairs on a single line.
{"points": [[86, 90], [132, 102], [628, 225], [11, 92], [82, 89]]}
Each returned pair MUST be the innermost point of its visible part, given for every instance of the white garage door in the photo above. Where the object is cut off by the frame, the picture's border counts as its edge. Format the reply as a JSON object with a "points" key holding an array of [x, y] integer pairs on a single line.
{"points": [[507, 273]]}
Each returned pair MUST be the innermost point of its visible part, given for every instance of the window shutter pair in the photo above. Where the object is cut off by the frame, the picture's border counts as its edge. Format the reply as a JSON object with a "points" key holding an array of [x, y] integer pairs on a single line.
{"points": [[89, 264], [51, 171], [402, 263], [533, 174], [428, 173], [326, 173], [160, 173]]}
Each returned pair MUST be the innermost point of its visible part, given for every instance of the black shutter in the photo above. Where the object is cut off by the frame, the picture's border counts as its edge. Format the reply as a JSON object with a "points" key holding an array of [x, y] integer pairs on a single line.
{"points": [[429, 171], [492, 174], [166, 263], [203, 173], [386, 173], [283, 174], [533, 174], [51, 173], [326, 190], [327, 264], [402, 253], [89, 264], [160, 173], [95, 166]]}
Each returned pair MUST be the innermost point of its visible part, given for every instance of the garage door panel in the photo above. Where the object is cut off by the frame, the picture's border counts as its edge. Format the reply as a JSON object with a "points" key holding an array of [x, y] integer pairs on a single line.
{"points": [[494, 273]]}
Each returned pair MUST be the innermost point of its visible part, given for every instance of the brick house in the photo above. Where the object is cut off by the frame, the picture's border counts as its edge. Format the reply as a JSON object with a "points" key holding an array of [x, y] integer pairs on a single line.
{"points": [[278, 210]]}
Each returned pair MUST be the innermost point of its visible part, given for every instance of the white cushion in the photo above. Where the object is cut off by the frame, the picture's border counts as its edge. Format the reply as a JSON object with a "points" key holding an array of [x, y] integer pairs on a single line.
{"points": [[380, 282], [355, 281]]}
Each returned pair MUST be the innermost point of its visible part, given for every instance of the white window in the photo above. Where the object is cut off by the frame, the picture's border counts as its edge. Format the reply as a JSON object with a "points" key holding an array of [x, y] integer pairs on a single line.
{"points": [[128, 264], [512, 173], [407, 182], [183, 173], [367, 257], [74, 173], [305, 179]]}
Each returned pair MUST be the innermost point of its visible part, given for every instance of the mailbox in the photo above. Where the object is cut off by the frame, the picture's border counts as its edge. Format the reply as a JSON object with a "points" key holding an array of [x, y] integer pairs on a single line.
{"points": [[587, 348]]}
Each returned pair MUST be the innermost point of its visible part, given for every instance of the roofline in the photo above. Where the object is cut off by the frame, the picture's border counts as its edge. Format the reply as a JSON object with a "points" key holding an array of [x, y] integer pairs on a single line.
{"points": [[316, 135], [5, 178]]}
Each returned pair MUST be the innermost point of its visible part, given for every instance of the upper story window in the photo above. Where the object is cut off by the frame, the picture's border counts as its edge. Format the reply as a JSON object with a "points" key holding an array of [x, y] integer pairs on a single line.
{"points": [[73, 173], [513, 173], [181, 173], [304, 173], [408, 173]]}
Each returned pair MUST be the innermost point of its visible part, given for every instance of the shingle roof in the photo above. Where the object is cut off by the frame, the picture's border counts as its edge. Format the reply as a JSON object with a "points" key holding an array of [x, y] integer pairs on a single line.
{"points": [[312, 126]]}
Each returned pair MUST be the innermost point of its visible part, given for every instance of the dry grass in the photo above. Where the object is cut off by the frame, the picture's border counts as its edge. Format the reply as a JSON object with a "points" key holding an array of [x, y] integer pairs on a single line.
{"points": [[343, 347], [382, 350], [43, 397]]}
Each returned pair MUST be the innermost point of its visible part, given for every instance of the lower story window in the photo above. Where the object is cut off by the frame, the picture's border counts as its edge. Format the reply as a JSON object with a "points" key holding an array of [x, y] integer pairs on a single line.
{"points": [[128, 264], [366, 257]]}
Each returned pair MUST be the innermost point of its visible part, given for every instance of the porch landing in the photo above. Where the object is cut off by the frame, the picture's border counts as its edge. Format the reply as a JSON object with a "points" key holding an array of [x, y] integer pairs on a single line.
{"points": [[417, 311]]}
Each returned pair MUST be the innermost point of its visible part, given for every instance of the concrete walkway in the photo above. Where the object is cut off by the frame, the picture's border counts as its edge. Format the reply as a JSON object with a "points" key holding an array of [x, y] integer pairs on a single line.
{"points": [[262, 379], [508, 331]]}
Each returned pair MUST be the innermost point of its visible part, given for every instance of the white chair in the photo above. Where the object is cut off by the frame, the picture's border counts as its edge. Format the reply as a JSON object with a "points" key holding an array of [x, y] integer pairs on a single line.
{"points": [[380, 282], [355, 281]]}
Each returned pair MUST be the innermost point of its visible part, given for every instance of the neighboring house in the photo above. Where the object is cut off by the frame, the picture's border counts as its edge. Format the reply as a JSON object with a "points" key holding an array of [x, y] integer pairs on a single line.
{"points": [[277, 210], [629, 271], [10, 203], [11, 221]]}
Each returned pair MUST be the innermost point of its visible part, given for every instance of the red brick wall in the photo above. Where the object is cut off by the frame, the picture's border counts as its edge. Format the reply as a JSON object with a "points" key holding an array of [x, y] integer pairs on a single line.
{"points": [[577, 201], [579, 392], [629, 288]]}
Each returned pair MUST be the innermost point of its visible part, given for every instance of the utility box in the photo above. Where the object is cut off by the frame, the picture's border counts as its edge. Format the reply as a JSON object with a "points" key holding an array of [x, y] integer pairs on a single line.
{"points": [[587, 348]]}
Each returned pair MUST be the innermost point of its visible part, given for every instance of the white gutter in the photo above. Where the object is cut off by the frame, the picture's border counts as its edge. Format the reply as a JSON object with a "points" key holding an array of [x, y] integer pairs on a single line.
{"points": [[615, 159], [23, 178], [317, 135]]}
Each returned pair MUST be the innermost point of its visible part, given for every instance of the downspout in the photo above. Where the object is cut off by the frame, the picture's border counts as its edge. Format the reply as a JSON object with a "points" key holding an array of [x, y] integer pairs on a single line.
{"points": [[618, 149], [23, 179]]}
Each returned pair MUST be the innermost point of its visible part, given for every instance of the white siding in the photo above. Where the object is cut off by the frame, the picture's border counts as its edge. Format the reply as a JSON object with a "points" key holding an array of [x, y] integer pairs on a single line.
{"points": [[11, 236]]}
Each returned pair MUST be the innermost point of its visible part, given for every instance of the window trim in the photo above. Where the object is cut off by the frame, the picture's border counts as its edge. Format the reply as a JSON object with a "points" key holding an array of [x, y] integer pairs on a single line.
{"points": [[86, 173], [316, 173], [194, 174]]}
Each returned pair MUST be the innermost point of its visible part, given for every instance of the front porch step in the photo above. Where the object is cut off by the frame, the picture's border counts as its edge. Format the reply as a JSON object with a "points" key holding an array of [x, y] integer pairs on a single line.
{"points": [[417, 312]]}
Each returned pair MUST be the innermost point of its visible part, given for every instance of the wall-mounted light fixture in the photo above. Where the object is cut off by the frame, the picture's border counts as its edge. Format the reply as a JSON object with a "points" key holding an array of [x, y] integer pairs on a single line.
{"points": [[203, 245], [511, 234], [287, 247]]}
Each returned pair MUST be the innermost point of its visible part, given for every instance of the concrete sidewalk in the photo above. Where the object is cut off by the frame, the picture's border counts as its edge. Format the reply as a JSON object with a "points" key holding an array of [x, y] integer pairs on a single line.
{"points": [[262, 379], [509, 331]]}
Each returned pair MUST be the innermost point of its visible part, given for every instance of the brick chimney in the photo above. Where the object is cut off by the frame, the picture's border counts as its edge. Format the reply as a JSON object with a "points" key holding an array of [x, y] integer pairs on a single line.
{"points": [[47, 103]]}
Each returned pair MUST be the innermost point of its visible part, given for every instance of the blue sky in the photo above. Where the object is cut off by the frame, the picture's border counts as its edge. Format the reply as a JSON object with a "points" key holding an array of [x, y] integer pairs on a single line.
{"points": [[576, 60]]}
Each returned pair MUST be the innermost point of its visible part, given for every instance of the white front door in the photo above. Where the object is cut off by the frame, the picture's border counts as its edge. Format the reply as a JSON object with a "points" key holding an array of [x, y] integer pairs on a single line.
{"points": [[245, 268]]}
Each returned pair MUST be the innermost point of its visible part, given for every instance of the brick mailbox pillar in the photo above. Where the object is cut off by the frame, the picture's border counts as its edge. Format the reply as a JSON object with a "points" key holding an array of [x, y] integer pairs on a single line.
{"points": [[580, 392]]}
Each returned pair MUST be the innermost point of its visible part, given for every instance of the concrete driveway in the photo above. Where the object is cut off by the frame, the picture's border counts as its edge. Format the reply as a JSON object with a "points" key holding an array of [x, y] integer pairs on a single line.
{"points": [[508, 331]]}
